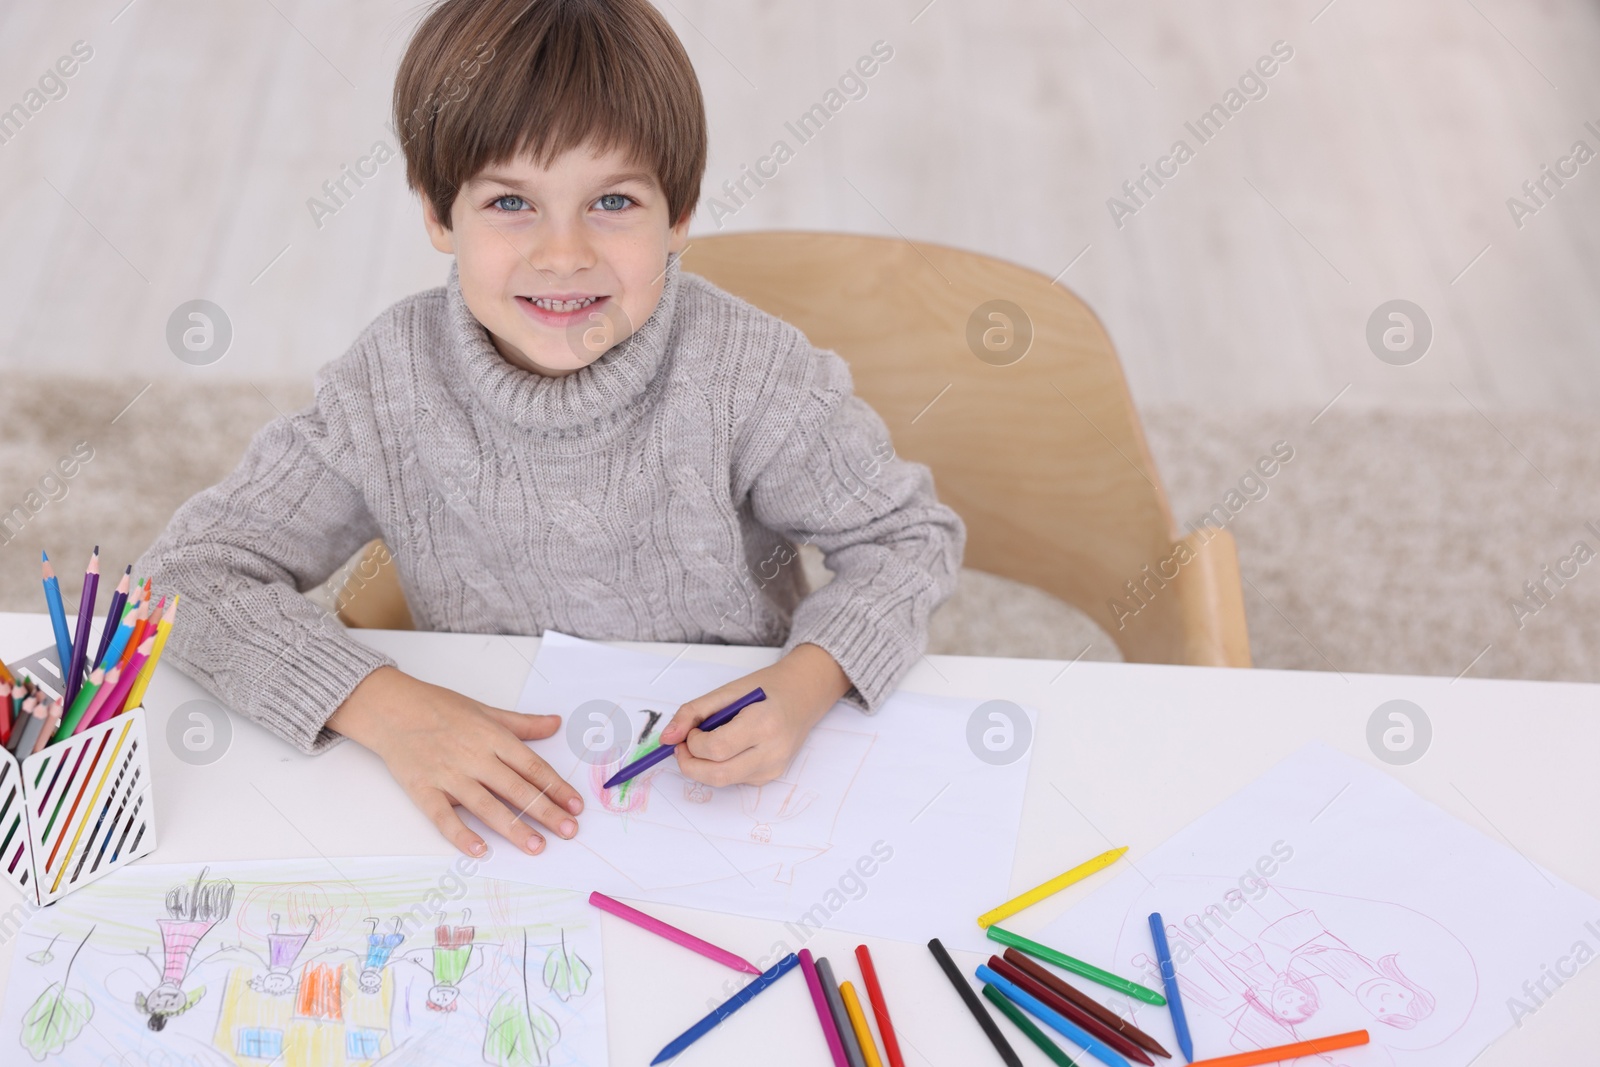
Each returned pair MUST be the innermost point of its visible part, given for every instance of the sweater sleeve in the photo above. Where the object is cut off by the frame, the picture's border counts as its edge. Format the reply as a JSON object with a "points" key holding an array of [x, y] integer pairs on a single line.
{"points": [[242, 553], [894, 550]]}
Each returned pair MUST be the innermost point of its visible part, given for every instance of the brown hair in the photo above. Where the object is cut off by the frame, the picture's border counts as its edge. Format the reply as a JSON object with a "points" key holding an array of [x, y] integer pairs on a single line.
{"points": [[483, 81]]}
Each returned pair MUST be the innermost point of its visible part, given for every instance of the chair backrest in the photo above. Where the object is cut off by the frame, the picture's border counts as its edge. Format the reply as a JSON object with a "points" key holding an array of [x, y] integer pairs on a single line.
{"points": [[1008, 388]]}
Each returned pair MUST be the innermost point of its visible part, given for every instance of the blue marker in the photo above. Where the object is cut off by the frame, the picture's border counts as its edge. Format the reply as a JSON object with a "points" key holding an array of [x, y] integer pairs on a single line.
{"points": [[1053, 1019], [1169, 980], [725, 1009]]}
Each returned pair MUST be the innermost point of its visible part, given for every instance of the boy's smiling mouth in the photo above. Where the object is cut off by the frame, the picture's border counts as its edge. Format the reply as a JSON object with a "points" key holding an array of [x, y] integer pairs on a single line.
{"points": [[560, 310]]}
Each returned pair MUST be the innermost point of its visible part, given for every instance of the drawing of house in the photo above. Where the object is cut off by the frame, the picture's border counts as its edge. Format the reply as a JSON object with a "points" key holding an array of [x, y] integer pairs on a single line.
{"points": [[329, 1020]]}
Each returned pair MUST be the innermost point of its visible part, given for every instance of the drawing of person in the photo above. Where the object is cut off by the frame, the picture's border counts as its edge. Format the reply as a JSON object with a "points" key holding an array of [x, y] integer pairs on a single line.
{"points": [[1381, 988], [282, 952], [1290, 999], [453, 959], [193, 911], [379, 948]]}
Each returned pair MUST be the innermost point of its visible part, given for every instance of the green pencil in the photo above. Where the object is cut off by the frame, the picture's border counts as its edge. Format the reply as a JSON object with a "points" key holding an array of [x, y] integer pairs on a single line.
{"points": [[1077, 966], [1025, 1024], [69, 721]]}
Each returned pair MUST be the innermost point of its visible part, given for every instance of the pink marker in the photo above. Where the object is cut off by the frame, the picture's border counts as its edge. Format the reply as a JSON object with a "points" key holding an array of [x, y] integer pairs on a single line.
{"points": [[824, 1013], [672, 933]]}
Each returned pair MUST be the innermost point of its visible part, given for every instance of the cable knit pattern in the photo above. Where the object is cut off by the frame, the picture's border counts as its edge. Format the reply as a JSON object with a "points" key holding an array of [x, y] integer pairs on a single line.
{"points": [[657, 494]]}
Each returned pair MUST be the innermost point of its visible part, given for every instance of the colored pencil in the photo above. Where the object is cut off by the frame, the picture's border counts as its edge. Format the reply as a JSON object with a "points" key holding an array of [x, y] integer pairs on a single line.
{"points": [[880, 1008], [1054, 885], [1289, 1052], [23, 733], [1026, 1025], [168, 618], [52, 720], [112, 698], [1053, 1019], [80, 705], [1169, 981], [1069, 1011], [1076, 966], [80, 639], [819, 1000], [668, 931], [711, 722], [6, 713], [141, 623], [6, 677], [58, 615], [858, 1022], [1060, 987], [974, 1005], [727, 1008], [121, 636], [113, 616], [841, 1018]]}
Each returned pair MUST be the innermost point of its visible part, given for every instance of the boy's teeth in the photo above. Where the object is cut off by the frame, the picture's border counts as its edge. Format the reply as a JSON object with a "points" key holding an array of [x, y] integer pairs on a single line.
{"points": [[565, 305]]}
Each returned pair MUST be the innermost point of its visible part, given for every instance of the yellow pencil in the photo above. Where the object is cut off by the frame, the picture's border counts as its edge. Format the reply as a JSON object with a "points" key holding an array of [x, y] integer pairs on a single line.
{"points": [[136, 694], [858, 1022], [1054, 885]]}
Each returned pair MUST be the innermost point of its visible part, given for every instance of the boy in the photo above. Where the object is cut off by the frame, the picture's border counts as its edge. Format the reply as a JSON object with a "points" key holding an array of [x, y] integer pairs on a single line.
{"points": [[571, 434]]}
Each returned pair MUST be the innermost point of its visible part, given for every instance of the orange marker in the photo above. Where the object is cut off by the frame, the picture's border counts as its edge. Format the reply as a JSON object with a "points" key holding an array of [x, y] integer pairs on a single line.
{"points": [[1288, 1052]]}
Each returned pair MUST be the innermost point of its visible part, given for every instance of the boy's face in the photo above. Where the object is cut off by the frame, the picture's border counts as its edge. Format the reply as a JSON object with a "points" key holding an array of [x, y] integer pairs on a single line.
{"points": [[560, 264]]}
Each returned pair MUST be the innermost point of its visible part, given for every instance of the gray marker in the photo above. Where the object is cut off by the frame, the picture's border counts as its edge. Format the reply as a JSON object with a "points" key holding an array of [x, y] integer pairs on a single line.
{"points": [[841, 1018]]}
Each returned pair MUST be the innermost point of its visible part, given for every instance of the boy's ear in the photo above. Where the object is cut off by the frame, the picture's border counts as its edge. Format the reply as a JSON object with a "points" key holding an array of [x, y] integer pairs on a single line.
{"points": [[443, 239], [678, 236]]}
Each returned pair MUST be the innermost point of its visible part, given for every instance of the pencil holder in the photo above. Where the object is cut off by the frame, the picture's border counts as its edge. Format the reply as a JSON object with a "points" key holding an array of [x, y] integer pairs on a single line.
{"points": [[78, 809]]}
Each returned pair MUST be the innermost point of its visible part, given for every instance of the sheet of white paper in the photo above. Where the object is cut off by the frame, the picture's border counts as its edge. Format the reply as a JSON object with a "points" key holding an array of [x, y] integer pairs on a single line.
{"points": [[1327, 897], [276, 962], [887, 824]]}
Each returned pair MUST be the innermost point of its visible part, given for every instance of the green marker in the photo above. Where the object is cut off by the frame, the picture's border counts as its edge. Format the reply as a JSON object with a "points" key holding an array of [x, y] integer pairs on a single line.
{"points": [[1025, 1024], [1077, 966]]}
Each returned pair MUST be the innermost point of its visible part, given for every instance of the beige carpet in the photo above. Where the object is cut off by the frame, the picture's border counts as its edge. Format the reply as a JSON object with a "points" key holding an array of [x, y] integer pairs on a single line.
{"points": [[1391, 542]]}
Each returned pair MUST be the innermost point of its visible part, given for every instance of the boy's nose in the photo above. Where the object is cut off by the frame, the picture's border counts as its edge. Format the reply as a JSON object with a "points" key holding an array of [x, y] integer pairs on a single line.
{"points": [[562, 251]]}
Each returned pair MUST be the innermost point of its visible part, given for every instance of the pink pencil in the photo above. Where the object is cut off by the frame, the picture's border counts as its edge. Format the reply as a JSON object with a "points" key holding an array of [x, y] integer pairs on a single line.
{"points": [[824, 1013], [672, 933], [108, 701]]}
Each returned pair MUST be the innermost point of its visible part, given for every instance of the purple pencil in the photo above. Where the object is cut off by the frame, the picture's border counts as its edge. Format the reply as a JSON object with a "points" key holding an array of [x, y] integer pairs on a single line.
{"points": [[113, 616], [824, 1014], [80, 643]]}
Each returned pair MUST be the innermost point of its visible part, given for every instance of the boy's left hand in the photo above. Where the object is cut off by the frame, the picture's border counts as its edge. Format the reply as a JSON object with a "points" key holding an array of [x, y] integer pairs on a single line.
{"points": [[758, 744]]}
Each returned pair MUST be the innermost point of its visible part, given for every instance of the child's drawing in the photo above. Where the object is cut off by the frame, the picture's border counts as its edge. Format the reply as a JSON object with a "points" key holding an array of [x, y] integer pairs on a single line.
{"points": [[1270, 965], [778, 825], [192, 910], [332, 983]]}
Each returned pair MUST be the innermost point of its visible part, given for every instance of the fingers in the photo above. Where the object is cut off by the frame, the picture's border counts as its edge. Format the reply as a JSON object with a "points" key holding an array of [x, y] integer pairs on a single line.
{"points": [[744, 732], [749, 767], [697, 710], [527, 727], [442, 813], [530, 800], [543, 777], [499, 818]]}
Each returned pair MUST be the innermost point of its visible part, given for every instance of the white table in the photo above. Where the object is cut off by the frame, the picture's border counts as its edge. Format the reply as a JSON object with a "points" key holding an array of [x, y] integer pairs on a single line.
{"points": [[1125, 754]]}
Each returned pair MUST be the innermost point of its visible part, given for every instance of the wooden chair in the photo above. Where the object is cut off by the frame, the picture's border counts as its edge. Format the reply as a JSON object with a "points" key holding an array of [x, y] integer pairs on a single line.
{"points": [[1008, 388]]}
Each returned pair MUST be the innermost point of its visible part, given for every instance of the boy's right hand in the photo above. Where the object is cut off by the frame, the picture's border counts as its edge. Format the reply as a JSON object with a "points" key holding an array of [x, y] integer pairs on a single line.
{"points": [[446, 749]]}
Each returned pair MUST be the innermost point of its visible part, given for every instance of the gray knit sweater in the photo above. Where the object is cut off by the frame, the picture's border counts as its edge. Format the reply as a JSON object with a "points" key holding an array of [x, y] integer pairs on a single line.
{"points": [[656, 494]]}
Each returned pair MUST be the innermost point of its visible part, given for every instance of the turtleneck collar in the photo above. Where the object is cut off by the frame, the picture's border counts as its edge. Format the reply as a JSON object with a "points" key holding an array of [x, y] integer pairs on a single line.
{"points": [[587, 400]]}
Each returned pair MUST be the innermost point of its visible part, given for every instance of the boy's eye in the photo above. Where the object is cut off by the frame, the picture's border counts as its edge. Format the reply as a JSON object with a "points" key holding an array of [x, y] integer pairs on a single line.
{"points": [[614, 202], [509, 203]]}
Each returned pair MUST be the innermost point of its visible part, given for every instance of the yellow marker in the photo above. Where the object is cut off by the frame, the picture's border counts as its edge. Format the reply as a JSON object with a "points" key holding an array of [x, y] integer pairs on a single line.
{"points": [[1054, 885], [858, 1022], [136, 695]]}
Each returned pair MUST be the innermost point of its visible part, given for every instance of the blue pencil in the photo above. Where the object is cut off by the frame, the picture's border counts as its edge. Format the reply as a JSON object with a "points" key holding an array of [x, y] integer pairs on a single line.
{"points": [[113, 617], [1169, 980], [725, 1009], [711, 722], [1053, 1019], [120, 637], [58, 616]]}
